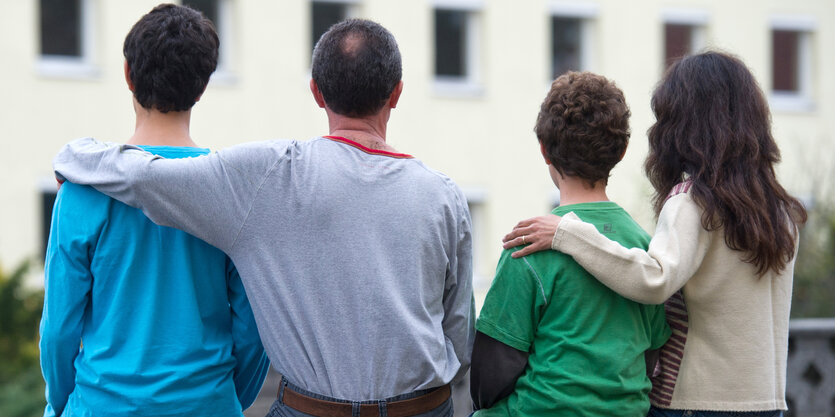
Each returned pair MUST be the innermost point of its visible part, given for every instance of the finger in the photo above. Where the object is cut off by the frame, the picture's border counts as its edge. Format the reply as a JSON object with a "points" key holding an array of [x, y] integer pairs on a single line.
{"points": [[513, 242], [527, 250], [518, 232], [510, 236], [522, 252], [525, 223]]}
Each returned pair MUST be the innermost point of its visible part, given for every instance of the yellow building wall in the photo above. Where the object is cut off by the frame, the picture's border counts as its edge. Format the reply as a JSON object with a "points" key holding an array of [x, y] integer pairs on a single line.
{"points": [[484, 141]]}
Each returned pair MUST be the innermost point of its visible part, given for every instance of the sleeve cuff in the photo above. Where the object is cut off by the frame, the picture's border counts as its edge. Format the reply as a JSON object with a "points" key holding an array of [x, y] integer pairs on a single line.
{"points": [[560, 233], [497, 333]]}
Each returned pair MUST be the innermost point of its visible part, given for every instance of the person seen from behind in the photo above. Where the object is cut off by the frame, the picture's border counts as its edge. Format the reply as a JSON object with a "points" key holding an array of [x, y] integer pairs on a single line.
{"points": [[141, 319], [551, 340]]}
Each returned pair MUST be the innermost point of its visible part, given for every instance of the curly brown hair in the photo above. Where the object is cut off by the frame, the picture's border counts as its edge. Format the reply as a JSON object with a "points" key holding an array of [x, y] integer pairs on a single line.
{"points": [[171, 53], [583, 124], [713, 126]]}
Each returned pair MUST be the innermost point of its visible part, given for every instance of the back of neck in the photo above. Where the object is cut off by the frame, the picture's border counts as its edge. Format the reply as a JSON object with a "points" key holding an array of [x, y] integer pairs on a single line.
{"points": [[154, 128], [576, 191]]}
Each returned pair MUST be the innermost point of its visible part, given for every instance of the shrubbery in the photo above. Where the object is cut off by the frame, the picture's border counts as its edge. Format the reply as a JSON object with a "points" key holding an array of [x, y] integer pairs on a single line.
{"points": [[21, 382]]}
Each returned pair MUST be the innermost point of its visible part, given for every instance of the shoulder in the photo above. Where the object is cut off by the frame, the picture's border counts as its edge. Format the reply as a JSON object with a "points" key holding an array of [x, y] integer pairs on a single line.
{"points": [[439, 182], [541, 267], [516, 276], [260, 149], [680, 194], [680, 199], [80, 209], [681, 188], [71, 193]]}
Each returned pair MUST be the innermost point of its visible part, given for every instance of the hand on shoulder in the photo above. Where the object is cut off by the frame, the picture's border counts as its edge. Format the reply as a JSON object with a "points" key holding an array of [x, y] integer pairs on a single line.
{"points": [[537, 233]]}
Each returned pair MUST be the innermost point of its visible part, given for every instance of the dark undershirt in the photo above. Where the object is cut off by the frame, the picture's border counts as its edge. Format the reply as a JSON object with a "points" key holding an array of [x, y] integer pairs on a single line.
{"points": [[494, 370]]}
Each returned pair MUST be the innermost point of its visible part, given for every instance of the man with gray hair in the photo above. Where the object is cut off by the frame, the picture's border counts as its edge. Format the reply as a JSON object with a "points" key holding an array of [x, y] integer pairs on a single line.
{"points": [[356, 257]]}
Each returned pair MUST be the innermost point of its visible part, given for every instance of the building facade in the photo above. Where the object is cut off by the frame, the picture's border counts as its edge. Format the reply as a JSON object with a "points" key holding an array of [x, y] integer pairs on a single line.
{"points": [[475, 72]]}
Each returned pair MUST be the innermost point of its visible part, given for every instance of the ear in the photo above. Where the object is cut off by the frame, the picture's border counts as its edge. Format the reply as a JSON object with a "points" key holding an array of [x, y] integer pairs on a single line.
{"points": [[127, 77], [544, 154], [317, 95], [395, 94]]}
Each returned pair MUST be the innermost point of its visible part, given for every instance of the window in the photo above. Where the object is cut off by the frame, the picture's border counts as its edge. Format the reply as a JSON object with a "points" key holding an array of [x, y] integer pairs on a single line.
{"points": [[571, 37], [678, 42], [66, 33], [456, 30], [566, 45], [219, 12], [785, 46], [324, 14], [683, 33], [451, 43], [61, 27], [209, 8], [476, 199], [791, 64]]}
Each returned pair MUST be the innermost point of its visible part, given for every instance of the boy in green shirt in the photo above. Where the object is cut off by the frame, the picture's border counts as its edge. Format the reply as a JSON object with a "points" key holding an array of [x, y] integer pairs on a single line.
{"points": [[552, 340]]}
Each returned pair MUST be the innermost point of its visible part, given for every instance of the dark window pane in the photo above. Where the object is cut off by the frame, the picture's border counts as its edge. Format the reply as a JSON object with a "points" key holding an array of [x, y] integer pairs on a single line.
{"points": [[450, 42], [784, 58], [47, 201], [566, 41], [678, 41], [208, 7], [61, 27], [324, 16]]}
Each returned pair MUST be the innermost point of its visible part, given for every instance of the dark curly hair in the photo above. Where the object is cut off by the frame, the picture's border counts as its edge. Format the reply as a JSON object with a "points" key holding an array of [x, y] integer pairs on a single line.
{"points": [[713, 126], [356, 65], [584, 126], [171, 53]]}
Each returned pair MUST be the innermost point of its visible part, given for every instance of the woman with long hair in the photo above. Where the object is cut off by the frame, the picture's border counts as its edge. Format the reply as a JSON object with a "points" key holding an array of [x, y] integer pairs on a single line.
{"points": [[723, 253]]}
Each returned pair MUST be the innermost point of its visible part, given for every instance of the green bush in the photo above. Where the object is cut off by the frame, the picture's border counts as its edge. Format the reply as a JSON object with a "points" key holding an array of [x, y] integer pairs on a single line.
{"points": [[21, 382], [814, 271], [23, 397]]}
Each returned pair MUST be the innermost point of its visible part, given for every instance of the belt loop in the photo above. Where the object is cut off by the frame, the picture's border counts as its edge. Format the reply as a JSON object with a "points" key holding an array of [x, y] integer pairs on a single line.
{"points": [[281, 390], [383, 411], [355, 409]]}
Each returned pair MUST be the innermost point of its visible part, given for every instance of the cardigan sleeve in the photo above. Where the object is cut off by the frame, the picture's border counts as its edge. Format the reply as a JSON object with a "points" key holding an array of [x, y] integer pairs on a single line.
{"points": [[674, 254]]}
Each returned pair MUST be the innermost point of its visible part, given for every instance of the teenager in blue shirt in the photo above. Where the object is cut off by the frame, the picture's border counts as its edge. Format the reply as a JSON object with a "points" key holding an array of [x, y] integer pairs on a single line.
{"points": [[141, 319]]}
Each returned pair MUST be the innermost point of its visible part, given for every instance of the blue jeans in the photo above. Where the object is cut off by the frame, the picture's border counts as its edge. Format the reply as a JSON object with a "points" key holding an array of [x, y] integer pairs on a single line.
{"points": [[279, 409], [661, 412]]}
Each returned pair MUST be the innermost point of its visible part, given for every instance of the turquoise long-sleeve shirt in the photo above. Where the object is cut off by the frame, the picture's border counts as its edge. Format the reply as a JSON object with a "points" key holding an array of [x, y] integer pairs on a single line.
{"points": [[141, 319]]}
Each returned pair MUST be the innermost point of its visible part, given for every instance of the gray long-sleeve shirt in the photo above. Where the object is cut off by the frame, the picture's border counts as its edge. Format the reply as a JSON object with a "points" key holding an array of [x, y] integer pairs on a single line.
{"points": [[357, 263]]}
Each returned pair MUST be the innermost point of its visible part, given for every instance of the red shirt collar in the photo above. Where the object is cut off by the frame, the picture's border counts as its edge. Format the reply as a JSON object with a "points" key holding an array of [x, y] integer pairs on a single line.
{"points": [[368, 150]]}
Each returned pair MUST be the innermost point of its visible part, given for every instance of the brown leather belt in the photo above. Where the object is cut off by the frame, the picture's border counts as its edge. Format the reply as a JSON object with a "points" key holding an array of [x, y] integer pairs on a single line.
{"points": [[402, 408]]}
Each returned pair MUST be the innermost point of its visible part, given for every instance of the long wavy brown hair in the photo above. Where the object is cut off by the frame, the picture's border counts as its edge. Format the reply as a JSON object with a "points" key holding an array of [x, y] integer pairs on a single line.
{"points": [[713, 126]]}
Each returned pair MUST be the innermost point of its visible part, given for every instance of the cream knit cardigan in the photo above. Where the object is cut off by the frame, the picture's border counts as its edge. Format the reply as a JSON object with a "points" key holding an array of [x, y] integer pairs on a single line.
{"points": [[735, 354]]}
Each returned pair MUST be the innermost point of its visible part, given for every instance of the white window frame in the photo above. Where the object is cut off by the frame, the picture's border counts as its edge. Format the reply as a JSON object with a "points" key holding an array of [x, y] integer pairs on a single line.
{"points": [[588, 14], [470, 84], [697, 19], [802, 100], [476, 200], [225, 73], [81, 67]]}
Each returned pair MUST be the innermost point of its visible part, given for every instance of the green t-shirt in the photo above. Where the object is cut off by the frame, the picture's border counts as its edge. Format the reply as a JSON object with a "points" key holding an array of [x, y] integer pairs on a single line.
{"points": [[586, 343]]}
